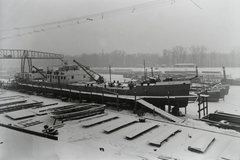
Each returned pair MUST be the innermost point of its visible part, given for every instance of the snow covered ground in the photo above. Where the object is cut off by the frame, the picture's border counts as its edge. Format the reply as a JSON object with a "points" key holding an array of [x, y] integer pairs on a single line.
{"points": [[78, 142], [230, 104]]}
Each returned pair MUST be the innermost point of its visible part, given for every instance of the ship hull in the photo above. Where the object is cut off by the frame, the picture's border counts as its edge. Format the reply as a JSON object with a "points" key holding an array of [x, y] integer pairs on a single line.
{"points": [[172, 93]]}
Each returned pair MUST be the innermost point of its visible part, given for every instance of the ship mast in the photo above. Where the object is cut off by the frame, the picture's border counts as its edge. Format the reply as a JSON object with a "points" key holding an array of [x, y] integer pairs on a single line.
{"points": [[144, 70], [110, 73]]}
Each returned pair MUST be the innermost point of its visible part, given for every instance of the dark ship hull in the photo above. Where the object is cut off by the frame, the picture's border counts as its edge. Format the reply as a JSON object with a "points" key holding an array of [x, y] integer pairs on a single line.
{"points": [[174, 93]]}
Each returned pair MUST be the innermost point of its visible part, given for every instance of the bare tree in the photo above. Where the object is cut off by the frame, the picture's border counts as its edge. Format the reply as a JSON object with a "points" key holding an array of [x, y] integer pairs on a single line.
{"points": [[198, 54], [179, 53]]}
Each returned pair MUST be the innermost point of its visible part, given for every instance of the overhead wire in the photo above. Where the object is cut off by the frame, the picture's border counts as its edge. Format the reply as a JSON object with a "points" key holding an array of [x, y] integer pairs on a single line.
{"points": [[196, 4], [87, 18]]}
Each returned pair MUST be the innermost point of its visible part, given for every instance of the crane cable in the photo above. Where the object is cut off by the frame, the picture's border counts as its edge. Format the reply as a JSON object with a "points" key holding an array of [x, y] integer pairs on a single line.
{"points": [[83, 19], [88, 17]]}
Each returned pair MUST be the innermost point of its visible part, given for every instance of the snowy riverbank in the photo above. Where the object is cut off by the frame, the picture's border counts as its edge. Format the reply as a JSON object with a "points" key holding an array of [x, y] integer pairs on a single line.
{"points": [[77, 142]]}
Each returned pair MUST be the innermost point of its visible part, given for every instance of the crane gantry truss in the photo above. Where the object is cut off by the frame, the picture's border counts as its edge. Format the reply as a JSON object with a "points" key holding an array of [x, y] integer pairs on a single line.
{"points": [[27, 55]]}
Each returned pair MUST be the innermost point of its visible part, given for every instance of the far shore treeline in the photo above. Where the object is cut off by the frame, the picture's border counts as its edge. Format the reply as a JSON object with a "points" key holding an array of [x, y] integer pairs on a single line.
{"points": [[198, 55]]}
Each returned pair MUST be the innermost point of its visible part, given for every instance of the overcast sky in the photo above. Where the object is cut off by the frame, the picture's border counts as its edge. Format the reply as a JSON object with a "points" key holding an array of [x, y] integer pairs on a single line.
{"points": [[212, 23]]}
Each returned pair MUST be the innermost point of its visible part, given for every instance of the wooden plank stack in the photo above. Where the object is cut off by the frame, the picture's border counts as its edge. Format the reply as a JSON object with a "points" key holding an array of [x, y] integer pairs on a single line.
{"points": [[119, 125], [76, 111], [20, 114], [164, 136], [11, 102], [19, 107], [99, 120], [141, 130], [231, 152], [201, 144]]}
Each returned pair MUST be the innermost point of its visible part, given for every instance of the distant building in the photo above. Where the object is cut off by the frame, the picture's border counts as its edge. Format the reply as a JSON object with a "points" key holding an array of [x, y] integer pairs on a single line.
{"points": [[184, 65]]}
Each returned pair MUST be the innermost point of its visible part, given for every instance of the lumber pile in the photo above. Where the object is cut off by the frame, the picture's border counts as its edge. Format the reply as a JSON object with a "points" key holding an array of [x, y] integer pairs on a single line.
{"points": [[76, 111], [19, 107], [143, 129], [201, 144], [164, 136], [11, 102], [231, 152], [96, 121], [119, 124]]}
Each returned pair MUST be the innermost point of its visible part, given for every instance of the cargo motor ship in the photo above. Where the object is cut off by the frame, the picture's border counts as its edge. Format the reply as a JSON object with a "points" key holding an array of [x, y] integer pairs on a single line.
{"points": [[64, 80]]}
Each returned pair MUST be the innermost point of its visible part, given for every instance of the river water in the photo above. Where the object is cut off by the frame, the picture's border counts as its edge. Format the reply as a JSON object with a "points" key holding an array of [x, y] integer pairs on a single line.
{"points": [[230, 72]]}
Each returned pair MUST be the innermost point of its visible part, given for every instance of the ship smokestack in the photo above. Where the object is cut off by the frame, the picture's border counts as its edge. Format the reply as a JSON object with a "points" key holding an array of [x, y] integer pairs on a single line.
{"points": [[196, 71], [224, 73]]}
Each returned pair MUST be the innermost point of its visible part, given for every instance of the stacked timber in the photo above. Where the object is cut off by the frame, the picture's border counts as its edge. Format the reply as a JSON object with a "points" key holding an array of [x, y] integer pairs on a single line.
{"points": [[11, 102], [201, 144], [164, 136], [18, 107], [76, 111], [231, 151]]}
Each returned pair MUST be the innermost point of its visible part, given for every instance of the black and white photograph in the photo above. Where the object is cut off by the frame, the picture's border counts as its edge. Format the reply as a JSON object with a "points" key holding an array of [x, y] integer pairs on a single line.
{"points": [[119, 80]]}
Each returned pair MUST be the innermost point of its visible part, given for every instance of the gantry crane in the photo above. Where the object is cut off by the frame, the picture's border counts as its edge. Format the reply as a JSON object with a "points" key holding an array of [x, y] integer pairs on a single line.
{"points": [[88, 71], [27, 55]]}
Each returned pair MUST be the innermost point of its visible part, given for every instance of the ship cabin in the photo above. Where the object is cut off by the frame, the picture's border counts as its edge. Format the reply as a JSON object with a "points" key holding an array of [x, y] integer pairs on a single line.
{"points": [[68, 74], [31, 76], [186, 69], [184, 65], [212, 73]]}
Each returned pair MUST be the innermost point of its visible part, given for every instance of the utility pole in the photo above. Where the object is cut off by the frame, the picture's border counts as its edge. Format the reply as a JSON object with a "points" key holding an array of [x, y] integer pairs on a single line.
{"points": [[152, 71], [110, 73], [144, 70]]}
